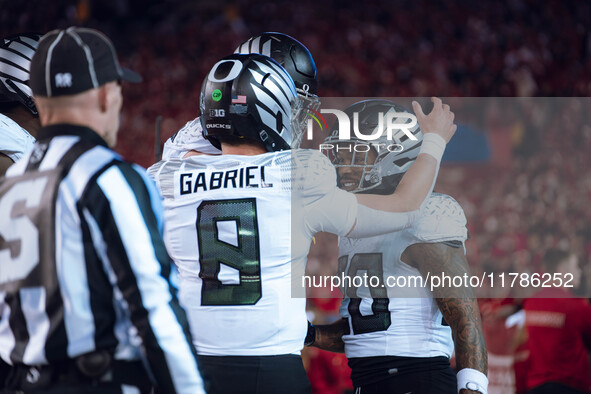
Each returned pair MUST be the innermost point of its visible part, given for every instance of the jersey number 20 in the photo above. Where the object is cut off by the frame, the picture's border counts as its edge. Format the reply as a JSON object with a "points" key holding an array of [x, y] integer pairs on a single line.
{"points": [[229, 239], [371, 265]]}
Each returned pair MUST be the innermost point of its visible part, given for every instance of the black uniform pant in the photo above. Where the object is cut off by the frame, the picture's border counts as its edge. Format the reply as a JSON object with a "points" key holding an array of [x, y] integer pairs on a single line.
{"points": [[401, 375], [254, 374], [66, 378], [433, 382]]}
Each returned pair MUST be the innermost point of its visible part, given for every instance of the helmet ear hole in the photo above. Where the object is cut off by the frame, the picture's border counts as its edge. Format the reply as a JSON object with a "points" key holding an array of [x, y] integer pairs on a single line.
{"points": [[279, 125]]}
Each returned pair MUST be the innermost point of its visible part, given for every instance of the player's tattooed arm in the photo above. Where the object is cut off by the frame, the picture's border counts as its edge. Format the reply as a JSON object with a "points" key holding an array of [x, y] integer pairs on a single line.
{"points": [[457, 304], [329, 336]]}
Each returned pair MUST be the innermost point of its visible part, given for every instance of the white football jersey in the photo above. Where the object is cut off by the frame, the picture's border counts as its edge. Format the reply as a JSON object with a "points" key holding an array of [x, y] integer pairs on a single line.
{"points": [[15, 141], [389, 321], [238, 227]]}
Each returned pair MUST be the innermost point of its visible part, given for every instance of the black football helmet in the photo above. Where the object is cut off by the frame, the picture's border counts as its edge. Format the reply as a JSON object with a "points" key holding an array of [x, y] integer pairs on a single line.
{"points": [[15, 61], [297, 60], [248, 96], [393, 156]]}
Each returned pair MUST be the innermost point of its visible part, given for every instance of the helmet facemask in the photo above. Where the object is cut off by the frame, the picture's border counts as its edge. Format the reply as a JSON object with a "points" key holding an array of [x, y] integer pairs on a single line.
{"points": [[356, 163], [305, 104], [373, 165]]}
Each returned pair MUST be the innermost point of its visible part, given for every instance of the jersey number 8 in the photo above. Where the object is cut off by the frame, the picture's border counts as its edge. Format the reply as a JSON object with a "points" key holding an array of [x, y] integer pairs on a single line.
{"points": [[228, 236]]}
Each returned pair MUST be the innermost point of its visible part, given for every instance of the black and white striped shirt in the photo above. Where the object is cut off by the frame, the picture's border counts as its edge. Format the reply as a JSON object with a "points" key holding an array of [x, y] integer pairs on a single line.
{"points": [[82, 261]]}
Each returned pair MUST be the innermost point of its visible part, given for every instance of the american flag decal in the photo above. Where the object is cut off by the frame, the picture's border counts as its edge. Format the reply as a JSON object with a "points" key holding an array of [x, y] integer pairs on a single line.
{"points": [[239, 99]]}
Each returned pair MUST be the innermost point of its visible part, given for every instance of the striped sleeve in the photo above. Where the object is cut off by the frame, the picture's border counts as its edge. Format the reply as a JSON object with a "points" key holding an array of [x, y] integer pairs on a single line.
{"points": [[127, 209]]}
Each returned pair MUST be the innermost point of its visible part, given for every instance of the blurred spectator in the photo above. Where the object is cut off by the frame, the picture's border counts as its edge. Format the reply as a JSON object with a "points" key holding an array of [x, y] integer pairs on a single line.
{"points": [[558, 332], [371, 48], [499, 343]]}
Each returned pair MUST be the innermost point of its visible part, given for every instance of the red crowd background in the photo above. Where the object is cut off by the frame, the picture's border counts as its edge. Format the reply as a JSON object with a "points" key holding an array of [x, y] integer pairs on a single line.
{"points": [[532, 193]]}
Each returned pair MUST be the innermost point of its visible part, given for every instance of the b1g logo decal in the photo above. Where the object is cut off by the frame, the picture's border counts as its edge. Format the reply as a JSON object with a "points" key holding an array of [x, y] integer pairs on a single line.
{"points": [[217, 113]]}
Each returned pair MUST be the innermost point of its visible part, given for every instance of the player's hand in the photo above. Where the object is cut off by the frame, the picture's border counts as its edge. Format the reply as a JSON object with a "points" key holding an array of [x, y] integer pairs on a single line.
{"points": [[439, 121]]}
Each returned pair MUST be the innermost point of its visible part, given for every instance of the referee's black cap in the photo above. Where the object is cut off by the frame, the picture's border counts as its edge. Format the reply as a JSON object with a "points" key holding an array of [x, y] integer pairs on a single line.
{"points": [[74, 60]]}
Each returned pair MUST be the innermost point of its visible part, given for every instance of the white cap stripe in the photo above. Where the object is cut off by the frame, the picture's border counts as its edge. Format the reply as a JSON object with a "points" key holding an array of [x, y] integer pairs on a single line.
{"points": [[48, 63], [106, 40], [88, 54]]}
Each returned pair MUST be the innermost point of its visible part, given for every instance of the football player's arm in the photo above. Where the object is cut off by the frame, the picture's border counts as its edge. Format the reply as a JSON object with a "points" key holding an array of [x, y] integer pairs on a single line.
{"points": [[417, 183], [329, 336], [5, 162], [457, 304]]}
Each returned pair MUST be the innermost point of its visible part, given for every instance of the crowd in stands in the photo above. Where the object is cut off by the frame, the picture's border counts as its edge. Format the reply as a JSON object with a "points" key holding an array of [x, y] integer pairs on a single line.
{"points": [[532, 198]]}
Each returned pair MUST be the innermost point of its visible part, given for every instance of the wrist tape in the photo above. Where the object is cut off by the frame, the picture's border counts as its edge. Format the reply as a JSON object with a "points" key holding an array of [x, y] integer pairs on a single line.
{"points": [[433, 145], [472, 379]]}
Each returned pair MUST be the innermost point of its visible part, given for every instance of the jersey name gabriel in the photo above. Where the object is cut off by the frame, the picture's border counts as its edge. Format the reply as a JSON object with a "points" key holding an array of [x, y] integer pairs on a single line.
{"points": [[15, 141], [385, 320], [238, 228], [204, 180]]}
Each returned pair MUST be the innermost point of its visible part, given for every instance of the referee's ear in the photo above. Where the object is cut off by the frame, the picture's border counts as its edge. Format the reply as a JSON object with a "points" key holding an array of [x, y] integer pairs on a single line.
{"points": [[103, 98], [109, 96]]}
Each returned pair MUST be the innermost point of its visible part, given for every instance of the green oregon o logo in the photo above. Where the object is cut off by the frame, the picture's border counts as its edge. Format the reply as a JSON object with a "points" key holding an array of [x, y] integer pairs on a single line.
{"points": [[216, 95]]}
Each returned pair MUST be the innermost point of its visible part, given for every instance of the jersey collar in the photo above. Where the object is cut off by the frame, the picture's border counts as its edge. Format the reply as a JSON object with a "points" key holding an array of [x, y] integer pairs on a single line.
{"points": [[83, 132]]}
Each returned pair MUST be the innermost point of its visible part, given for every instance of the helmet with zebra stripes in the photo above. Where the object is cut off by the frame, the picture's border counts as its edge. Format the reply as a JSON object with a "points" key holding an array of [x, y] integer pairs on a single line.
{"points": [[298, 62], [248, 97], [15, 61]]}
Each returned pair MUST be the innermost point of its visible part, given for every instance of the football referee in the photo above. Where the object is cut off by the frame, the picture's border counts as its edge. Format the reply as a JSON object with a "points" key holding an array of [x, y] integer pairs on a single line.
{"points": [[85, 300]]}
